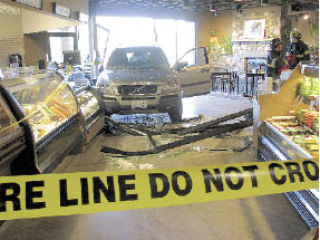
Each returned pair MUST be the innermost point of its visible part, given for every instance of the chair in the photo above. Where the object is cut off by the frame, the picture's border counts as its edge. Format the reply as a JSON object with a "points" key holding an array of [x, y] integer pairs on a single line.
{"points": [[222, 81]]}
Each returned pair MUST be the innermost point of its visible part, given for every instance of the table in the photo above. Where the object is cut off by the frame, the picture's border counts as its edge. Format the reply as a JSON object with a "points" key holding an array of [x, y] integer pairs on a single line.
{"points": [[254, 77]]}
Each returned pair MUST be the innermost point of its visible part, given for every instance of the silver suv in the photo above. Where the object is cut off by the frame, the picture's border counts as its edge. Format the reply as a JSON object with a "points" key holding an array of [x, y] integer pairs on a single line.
{"points": [[140, 80]]}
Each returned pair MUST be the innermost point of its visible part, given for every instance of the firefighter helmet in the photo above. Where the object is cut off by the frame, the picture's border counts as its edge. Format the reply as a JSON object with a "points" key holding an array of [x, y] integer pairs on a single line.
{"points": [[295, 34]]}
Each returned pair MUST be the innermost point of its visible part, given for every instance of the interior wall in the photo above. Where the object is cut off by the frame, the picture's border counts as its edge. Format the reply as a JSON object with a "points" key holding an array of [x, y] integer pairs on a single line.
{"points": [[222, 25], [304, 27], [207, 23], [10, 20], [43, 22], [11, 40], [36, 47], [204, 27], [18, 21]]}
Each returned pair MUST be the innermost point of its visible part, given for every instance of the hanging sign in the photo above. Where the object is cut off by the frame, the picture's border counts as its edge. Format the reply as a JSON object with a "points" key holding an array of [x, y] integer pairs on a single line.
{"points": [[31, 3], [61, 10]]}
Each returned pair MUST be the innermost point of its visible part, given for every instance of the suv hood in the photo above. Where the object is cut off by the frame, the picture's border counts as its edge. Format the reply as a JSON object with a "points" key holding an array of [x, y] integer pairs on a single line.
{"points": [[133, 76]]}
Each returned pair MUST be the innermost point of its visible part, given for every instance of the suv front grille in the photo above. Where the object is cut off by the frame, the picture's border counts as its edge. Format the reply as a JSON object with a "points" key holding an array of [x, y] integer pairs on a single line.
{"points": [[137, 89]]}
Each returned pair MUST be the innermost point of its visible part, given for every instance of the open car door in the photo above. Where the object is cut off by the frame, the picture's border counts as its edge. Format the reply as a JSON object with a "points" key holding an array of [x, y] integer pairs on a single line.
{"points": [[193, 72]]}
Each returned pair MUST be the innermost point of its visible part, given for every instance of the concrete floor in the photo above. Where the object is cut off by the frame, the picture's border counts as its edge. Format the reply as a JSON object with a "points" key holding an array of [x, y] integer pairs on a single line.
{"points": [[267, 217]]}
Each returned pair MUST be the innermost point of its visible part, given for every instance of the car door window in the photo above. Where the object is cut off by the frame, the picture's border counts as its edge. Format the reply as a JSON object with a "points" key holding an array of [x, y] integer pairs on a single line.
{"points": [[194, 57], [200, 57]]}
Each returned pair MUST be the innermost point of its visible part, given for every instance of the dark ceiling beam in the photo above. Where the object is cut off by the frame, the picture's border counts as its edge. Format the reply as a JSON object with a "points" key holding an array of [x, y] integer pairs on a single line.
{"points": [[139, 12], [194, 6]]}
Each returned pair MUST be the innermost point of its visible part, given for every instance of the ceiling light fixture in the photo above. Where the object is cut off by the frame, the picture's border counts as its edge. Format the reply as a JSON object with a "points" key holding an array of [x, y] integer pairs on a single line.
{"points": [[186, 4], [212, 7]]}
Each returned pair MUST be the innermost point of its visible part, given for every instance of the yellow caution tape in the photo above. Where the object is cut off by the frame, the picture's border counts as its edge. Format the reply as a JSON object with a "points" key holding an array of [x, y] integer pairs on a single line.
{"points": [[60, 87], [14, 124], [69, 71], [81, 193]]}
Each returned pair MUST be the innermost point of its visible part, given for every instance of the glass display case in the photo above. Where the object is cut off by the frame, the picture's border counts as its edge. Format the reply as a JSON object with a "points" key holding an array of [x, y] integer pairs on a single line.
{"points": [[45, 99], [89, 105], [91, 112], [8, 123], [51, 110], [12, 138]]}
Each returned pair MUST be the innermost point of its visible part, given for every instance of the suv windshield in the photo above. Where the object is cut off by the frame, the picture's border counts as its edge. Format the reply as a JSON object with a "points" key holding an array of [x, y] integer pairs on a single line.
{"points": [[137, 58]]}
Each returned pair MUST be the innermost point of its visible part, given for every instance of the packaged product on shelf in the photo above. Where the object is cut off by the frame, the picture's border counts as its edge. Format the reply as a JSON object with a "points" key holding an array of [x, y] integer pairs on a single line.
{"points": [[305, 86], [316, 124], [309, 86], [307, 117], [301, 129]]}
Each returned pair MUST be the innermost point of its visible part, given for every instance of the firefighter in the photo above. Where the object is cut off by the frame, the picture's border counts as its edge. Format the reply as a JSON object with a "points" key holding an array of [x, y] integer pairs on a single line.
{"points": [[297, 50], [275, 62]]}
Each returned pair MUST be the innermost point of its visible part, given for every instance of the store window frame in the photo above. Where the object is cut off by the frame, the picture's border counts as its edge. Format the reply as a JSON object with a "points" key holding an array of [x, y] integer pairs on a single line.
{"points": [[74, 35]]}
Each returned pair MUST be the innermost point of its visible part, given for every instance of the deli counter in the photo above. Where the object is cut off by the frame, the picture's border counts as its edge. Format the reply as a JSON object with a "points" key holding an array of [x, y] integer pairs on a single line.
{"points": [[44, 111], [14, 141], [289, 129], [91, 112]]}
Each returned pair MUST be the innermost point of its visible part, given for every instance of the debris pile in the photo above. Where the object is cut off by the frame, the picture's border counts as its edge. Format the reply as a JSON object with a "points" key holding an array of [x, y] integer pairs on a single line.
{"points": [[189, 134]]}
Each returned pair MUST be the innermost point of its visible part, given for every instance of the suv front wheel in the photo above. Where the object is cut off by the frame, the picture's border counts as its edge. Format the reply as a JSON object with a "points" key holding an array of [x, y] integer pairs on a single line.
{"points": [[175, 112]]}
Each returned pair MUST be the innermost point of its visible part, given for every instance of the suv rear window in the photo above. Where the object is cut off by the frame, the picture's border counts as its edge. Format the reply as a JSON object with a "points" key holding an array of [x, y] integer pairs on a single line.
{"points": [[137, 58]]}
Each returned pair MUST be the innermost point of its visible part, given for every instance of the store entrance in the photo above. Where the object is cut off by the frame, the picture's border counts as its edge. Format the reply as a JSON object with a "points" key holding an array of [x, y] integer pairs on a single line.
{"points": [[175, 37]]}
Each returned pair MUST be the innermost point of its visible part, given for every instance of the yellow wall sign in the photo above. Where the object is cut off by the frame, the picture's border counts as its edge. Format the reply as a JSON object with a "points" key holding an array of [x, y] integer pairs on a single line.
{"points": [[81, 193]]}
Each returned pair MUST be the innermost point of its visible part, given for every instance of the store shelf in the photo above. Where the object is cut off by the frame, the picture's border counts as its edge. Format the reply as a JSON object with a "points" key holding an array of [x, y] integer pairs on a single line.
{"points": [[288, 148], [306, 212]]}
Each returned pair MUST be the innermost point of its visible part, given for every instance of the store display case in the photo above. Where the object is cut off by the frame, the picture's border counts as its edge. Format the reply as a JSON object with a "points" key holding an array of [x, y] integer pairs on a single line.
{"points": [[289, 130], [51, 110], [12, 138], [91, 112], [274, 145]]}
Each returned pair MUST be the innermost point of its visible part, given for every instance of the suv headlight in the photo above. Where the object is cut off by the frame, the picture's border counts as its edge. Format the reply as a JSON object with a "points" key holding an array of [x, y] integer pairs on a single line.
{"points": [[170, 87], [102, 80], [108, 90], [104, 85]]}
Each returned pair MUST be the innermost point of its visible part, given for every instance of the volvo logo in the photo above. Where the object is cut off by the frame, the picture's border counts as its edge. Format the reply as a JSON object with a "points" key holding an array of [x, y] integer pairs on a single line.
{"points": [[139, 89]]}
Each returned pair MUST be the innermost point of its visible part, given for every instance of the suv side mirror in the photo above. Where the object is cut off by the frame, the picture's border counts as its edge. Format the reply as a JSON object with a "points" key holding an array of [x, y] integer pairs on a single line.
{"points": [[181, 65]]}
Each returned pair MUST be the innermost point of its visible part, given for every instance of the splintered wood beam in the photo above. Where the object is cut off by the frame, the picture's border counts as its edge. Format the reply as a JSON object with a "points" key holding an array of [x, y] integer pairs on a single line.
{"points": [[186, 140], [183, 130]]}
